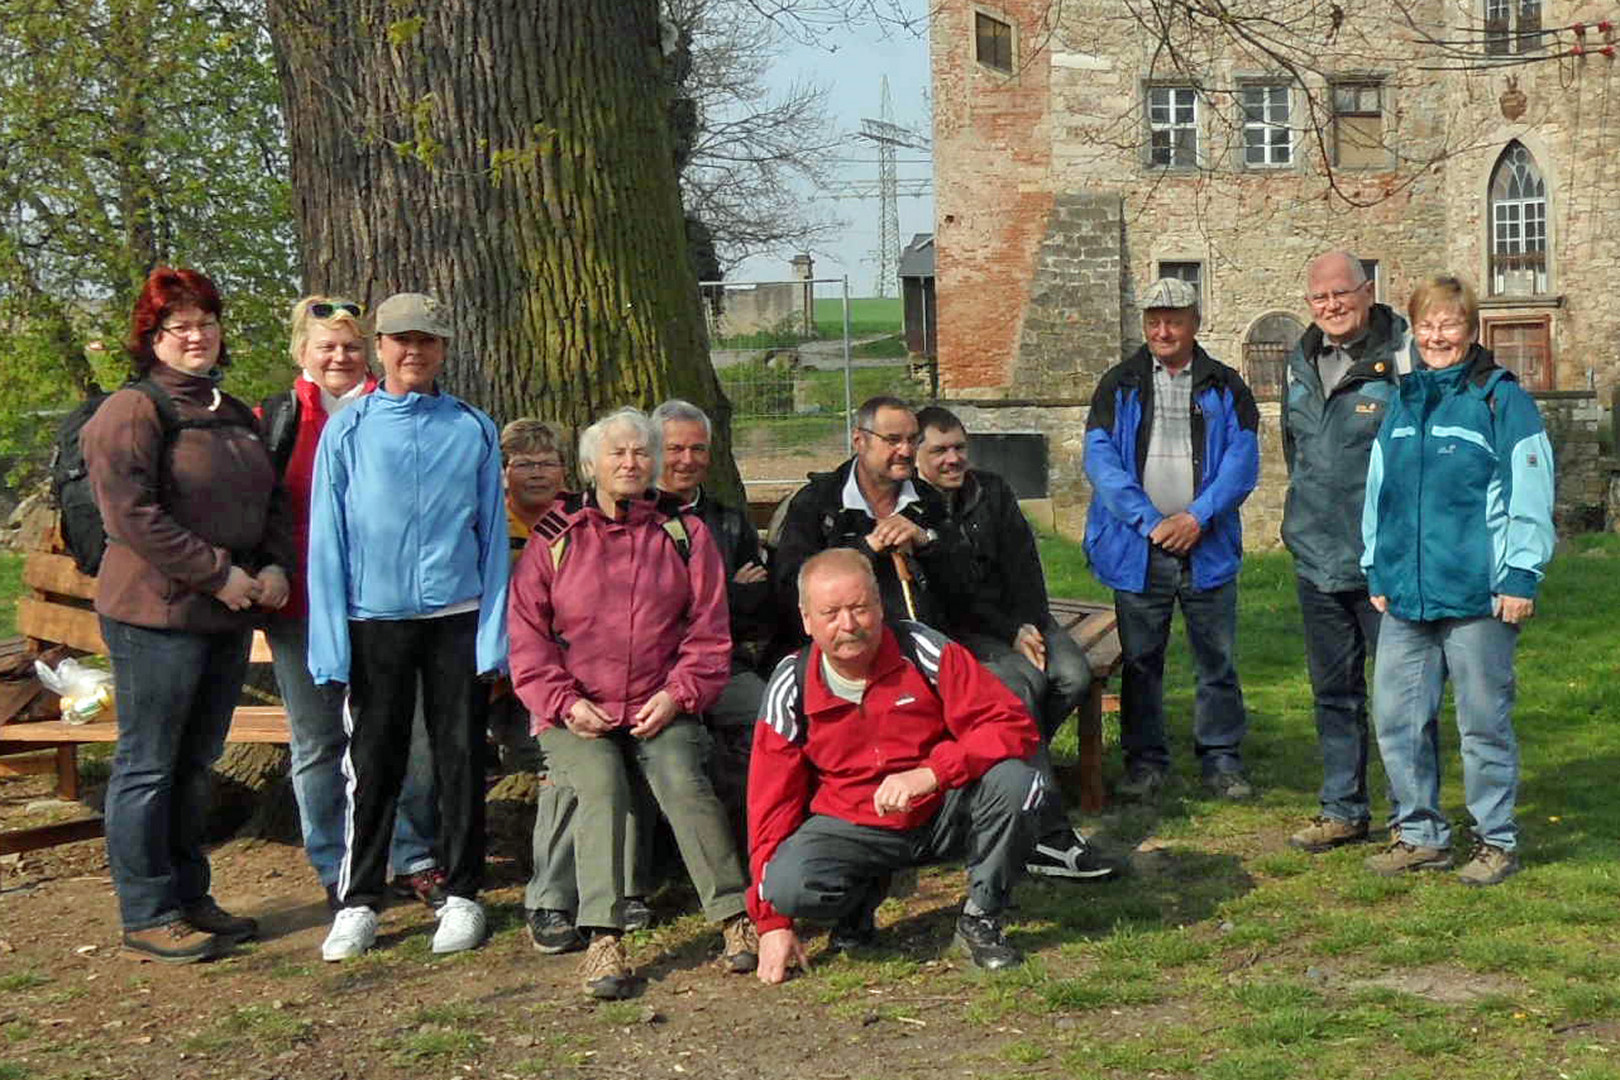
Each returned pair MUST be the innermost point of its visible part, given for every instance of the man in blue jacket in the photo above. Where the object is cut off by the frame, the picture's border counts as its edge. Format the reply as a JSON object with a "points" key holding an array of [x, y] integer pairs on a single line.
{"points": [[1340, 380], [407, 579], [1171, 453]]}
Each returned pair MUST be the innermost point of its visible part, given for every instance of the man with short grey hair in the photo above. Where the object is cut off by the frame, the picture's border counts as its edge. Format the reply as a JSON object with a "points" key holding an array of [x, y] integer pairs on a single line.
{"points": [[1172, 453], [1340, 379]]}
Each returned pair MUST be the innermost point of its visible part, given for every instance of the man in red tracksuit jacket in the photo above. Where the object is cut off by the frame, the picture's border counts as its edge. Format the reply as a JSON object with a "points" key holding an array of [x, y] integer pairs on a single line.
{"points": [[904, 751]]}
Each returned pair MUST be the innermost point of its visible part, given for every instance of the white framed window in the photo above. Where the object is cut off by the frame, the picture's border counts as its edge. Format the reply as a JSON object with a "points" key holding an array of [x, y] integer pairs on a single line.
{"points": [[1188, 270], [1268, 134], [1370, 268], [1172, 126], [1513, 26], [1518, 217]]}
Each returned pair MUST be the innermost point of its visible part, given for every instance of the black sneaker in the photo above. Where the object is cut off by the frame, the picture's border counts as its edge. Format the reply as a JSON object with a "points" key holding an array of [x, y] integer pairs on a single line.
{"points": [[857, 931], [426, 886], [981, 938], [210, 918], [636, 913], [1064, 853], [553, 932]]}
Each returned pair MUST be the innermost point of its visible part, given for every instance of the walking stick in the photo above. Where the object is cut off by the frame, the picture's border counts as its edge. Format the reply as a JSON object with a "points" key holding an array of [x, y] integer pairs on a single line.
{"points": [[908, 584]]}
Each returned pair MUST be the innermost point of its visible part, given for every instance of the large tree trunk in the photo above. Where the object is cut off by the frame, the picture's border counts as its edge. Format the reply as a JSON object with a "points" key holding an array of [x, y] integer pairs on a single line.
{"points": [[514, 160]]}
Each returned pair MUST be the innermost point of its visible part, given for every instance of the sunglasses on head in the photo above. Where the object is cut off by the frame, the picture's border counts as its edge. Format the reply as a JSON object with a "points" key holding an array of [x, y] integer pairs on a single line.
{"points": [[327, 309]]}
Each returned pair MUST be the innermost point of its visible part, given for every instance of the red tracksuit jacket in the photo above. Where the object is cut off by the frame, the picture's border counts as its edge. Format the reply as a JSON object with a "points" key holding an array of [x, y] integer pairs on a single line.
{"points": [[833, 762]]}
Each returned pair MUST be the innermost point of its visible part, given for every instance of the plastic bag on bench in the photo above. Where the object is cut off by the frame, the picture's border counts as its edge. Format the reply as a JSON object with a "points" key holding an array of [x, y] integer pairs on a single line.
{"points": [[85, 691]]}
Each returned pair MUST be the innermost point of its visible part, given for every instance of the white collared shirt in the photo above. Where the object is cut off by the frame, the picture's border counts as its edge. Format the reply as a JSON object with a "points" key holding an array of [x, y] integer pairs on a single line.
{"points": [[854, 499], [336, 403]]}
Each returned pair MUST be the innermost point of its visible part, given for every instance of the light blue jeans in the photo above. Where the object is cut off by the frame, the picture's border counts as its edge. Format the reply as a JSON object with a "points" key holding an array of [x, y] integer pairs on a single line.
{"points": [[315, 725], [1414, 660]]}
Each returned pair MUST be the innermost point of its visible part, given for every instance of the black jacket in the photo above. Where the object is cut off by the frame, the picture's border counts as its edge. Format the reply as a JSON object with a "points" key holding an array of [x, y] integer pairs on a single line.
{"points": [[752, 621], [817, 520], [1008, 585]]}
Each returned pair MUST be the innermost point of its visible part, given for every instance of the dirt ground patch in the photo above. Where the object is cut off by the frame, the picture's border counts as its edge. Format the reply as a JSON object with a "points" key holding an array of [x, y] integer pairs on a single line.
{"points": [[73, 1006]]}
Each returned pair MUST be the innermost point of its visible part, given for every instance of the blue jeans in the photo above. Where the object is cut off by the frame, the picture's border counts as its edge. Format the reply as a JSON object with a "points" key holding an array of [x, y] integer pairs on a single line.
{"points": [[1414, 659], [175, 692], [315, 725], [1210, 616], [1341, 630]]}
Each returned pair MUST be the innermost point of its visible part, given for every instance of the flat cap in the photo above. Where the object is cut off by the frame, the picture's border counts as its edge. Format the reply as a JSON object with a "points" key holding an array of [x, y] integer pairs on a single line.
{"points": [[1170, 293]]}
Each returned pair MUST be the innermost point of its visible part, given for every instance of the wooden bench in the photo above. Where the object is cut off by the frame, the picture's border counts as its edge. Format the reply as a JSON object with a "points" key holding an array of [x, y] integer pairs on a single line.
{"points": [[59, 611], [1095, 628]]}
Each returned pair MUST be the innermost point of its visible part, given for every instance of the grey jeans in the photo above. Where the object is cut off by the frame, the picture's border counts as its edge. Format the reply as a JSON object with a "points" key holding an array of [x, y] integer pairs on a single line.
{"points": [[608, 820]]}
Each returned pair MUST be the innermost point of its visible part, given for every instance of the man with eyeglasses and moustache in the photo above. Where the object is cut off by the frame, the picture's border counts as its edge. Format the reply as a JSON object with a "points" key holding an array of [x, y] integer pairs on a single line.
{"points": [[1340, 379], [876, 504]]}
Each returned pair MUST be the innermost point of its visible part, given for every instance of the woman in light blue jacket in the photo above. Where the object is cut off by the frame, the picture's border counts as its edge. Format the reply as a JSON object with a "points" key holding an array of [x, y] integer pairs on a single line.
{"points": [[1458, 528]]}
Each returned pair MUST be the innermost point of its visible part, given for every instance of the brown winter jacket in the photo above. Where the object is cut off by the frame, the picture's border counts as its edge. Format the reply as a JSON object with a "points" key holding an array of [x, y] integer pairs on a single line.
{"points": [[168, 552]]}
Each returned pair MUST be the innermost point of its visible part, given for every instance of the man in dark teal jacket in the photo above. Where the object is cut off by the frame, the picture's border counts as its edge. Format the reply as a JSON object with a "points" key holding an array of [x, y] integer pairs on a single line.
{"points": [[1340, 379], [1171, 453]]}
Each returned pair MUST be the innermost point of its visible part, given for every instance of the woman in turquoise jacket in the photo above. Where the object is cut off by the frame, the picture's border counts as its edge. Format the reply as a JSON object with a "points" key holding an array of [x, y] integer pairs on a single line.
{"points": [[1458, 528]]}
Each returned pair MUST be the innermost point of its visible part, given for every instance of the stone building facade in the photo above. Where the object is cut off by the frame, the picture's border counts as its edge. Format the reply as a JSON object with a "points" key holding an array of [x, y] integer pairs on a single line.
{"points": [[1076, 162]]}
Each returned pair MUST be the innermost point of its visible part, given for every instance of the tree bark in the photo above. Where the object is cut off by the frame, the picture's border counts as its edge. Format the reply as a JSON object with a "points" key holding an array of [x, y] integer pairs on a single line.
{"points": [[515, 161], [253, 795]]}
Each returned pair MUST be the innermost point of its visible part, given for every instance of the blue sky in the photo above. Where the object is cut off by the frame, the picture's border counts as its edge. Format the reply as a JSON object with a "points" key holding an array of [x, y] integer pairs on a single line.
{"points": [[849, 63]]}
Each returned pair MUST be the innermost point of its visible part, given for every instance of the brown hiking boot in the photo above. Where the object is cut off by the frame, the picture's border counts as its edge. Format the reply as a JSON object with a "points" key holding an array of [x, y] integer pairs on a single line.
{"points": [[606, 972], [177, 942], [1401, 857], [740, 953], [1325, 833], [210, 918], [1489, 865]]}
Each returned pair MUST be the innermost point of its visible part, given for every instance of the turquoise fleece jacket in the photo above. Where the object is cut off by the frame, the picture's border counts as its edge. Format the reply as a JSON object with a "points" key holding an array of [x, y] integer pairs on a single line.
{"points": [[1459, 494]]}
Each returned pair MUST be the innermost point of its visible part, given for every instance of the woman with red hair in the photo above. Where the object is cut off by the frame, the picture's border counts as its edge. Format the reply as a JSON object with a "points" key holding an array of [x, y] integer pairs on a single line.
{"points": [[196, 538]]}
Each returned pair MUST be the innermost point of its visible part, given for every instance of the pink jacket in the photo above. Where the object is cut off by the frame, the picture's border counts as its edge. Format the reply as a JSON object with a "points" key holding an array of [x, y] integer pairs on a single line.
{"points": [[623, 617]]}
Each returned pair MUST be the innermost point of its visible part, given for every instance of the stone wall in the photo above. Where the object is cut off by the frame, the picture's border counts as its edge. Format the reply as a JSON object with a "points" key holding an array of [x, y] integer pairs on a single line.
{"points": [[1581, 471]]}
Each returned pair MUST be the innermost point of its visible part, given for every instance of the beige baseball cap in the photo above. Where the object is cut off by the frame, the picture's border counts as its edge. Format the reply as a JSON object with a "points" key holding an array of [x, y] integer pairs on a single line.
{"points": [[405, 312], [1170, 293]]}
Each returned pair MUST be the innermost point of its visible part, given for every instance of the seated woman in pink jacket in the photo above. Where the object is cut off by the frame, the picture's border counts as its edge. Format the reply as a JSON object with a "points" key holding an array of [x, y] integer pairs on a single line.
{"points": [[619, 639]]}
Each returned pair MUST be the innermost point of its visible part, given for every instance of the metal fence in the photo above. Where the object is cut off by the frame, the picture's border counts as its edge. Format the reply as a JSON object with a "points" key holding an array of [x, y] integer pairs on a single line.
{"points": [[784, 361]]}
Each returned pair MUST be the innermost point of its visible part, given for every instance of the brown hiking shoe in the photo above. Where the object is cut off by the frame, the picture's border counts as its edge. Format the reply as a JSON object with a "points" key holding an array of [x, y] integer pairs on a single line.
{"points": [[1489, 865], [177, 942], [740, 953], [1325, 833], [606, 972], [1401, 857]]}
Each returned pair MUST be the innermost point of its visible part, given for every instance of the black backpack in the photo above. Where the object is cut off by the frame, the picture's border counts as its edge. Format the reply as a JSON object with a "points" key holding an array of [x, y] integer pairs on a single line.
{"points": [[83, 533], [280, 426]]}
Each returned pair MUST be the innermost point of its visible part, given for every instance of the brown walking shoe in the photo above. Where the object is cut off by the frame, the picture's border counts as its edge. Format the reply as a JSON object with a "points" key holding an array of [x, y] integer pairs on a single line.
{"points": [[176, 942], [1401, 857], [1325, 833], [1489, 865], [740, 953], [606, 972]]}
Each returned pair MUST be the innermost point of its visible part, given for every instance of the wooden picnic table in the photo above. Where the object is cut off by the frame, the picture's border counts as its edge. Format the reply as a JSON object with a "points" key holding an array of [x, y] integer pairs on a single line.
{"points": [[1095, 628]]}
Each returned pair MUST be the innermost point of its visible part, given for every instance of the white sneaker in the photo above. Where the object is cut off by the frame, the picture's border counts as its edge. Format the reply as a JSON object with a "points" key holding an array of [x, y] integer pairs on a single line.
{"points": [[461, 925], [353, 932]]}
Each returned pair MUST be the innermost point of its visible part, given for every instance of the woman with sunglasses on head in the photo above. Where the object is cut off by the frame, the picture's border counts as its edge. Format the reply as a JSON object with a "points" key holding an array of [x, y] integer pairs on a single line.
{"points": [[197, 538], [329, 346], [1457, 528]]}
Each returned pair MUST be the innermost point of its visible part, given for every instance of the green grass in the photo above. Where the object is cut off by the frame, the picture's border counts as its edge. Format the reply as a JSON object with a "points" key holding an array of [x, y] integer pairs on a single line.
{"points": [[868, 315], [1415, 977], [11, 587]]}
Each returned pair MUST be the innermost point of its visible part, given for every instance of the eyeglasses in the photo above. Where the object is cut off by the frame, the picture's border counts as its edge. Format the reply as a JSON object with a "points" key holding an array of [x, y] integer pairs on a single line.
{"points": [[1338, 296], [325, 309], [1448, 328], [182, 330], [524, 465], [894, 442]]}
